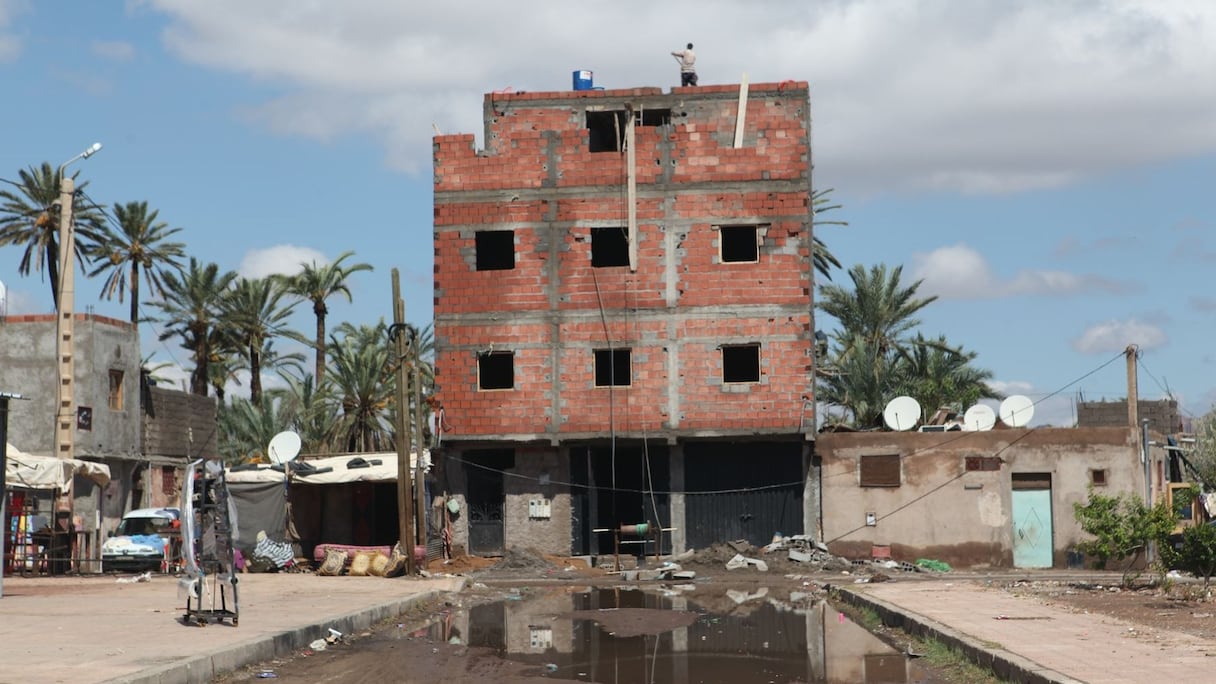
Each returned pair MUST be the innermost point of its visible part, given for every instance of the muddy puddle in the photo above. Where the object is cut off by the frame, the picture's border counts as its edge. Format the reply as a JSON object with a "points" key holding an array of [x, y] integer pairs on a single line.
{"points": [[615, 635]]}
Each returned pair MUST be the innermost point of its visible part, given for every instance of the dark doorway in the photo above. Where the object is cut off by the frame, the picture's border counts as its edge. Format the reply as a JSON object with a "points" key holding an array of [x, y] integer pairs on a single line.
{"points": [[742, 490], [483, 471], [606, 502]]}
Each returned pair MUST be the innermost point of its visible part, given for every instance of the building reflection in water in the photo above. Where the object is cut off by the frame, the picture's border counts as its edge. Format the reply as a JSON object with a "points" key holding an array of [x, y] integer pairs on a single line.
{"points": [[762, 639]]}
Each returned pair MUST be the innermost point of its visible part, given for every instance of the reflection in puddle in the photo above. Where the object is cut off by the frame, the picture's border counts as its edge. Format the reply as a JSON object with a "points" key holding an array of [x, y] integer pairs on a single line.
{"points": [[731, 639]]}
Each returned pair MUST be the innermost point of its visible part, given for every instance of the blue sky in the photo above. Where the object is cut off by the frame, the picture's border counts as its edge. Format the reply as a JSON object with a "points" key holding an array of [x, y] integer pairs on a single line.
{"points": [[1044, 167]]}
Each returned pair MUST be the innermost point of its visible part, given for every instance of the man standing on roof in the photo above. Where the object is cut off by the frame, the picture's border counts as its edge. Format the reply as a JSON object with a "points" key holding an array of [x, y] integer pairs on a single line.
{"points": [[688, 66]]}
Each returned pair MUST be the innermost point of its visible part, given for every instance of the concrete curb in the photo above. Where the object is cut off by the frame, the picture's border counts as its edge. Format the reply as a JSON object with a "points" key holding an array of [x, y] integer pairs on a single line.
{"points": [[1008, 666], [206, 667]]}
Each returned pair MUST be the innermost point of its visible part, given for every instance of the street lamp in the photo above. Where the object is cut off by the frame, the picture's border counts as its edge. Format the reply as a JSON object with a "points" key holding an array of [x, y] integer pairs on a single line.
{"points": [[67, 293]]}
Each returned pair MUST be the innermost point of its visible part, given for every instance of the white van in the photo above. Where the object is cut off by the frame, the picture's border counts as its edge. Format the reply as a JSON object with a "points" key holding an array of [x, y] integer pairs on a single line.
{"points": [[146, 539]]}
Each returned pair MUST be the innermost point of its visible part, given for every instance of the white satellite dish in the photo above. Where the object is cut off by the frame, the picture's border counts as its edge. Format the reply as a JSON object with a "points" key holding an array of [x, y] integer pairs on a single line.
{"points": [[901, 413], [979, 418], [283, 447], [1017, 410]]}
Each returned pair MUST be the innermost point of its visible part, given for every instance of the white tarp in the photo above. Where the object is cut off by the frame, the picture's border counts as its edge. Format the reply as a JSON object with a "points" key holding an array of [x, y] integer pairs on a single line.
{"points": [[46, 472], [380, 467]]}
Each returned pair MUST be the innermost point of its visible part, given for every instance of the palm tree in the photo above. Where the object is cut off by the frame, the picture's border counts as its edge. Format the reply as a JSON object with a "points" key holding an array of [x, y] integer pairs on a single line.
{"points": [[254, 310], [138, 240], [937, 375], [192, 308], [29, 216], [246, 427], [313, 410], [361, 374], [289, 366], [860, 382], [317, 283], [878, 311], [823, 258]]}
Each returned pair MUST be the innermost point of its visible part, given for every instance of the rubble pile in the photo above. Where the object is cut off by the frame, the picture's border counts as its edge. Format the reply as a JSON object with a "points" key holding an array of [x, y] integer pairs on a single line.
{"points": [[518, 561]]}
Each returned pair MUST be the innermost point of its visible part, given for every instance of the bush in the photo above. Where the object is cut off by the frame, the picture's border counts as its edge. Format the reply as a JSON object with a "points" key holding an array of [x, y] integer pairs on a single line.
{"points": [[1122, 527]]}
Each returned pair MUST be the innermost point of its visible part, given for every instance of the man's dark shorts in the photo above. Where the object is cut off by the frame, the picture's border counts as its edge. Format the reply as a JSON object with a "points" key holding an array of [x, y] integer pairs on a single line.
{"points": [[688, 79]]}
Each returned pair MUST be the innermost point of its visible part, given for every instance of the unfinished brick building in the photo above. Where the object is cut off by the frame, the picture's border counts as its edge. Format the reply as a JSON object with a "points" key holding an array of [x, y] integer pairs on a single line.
{"points": [[623, 318]]}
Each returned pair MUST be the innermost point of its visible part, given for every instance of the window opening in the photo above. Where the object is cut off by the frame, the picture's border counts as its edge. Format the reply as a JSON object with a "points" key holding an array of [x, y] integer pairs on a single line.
{"points": [[879, 470], [495, 250], [609, 246], [982, 463], [612, 367], [116, 390], [741, 363], [739, 244], [606, 130], [496, 370]]}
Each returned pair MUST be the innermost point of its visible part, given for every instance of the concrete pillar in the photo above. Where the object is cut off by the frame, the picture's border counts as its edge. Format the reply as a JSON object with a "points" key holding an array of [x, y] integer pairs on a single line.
{"points": [[679, 536], [812, 509]]}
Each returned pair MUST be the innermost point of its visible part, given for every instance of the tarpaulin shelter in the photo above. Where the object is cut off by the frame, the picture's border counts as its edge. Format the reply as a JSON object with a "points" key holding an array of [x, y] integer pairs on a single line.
{"points": [[349, 499], [28, 471], [26, 531]]}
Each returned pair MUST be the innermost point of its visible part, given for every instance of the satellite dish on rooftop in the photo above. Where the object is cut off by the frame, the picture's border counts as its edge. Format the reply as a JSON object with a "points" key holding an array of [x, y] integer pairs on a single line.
{"points": [[1017, 410], [979, 418], [901, 413], [283, 447]]}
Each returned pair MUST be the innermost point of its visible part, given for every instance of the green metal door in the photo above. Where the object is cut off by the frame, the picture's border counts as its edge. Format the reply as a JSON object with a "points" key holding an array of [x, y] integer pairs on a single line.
{"points": [[1032, 539]]}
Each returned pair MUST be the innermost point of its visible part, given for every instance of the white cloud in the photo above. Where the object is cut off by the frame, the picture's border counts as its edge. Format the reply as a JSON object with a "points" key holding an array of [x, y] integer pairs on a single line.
{"points": [[987, 97], [116, 50], [280, 259], [1113, 336], [1050, 410], [22, 301], [170, 375], [1203, 304], [10, 45], [960, 272]]}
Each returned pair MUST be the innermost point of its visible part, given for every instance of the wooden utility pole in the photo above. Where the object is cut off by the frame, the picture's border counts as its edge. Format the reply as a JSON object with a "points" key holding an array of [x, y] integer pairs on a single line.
{"points": [[405, 496], [1133, 394], [419, 485]]}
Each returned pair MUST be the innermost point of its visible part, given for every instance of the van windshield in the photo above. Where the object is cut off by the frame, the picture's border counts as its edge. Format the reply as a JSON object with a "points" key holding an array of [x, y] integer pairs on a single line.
{"points": [[135, 526]]}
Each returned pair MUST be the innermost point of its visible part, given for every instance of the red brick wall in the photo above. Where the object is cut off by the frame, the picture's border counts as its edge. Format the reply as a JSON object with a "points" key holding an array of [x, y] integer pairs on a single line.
{"points": [[538, 178]]}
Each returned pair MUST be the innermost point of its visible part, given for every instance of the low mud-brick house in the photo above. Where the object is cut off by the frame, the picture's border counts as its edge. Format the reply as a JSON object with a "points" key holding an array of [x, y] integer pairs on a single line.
{"points": [[1001, 498], [623, 318]]}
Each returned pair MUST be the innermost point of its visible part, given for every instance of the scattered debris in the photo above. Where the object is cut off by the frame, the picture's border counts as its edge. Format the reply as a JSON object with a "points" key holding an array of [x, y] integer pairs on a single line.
{"points": [[933, 565], [739, 561], [143, 577], [740, 597], [318, 645]]}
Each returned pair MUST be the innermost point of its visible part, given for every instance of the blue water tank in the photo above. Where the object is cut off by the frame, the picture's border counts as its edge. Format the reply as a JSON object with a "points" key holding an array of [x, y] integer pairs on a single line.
{"points": [[582, 80]]}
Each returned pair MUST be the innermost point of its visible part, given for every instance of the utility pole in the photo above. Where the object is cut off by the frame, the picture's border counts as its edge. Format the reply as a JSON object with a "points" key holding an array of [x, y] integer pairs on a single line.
{"points": [[405, 494], [419, 484], [1133, 394], [65, 401]]}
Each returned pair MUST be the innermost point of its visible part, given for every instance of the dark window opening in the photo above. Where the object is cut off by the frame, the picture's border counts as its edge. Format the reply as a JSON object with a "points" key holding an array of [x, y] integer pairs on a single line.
{"points": [[982, 463], [496, 370], [612, 367], [495, 250], [609, 247], [739, 244], [606, 130], [879, 470], [741, 363], [1098, 477]]}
